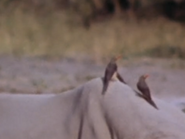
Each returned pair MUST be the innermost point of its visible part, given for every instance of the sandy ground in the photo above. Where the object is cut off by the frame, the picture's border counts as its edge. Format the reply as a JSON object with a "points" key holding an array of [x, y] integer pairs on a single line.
{"points": [[37, 75]]}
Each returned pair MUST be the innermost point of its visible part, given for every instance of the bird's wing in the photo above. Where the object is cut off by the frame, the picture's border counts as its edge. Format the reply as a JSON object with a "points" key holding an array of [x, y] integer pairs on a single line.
{"points": [[143, 88], [146, 92], [139, 87], [107, 77]]}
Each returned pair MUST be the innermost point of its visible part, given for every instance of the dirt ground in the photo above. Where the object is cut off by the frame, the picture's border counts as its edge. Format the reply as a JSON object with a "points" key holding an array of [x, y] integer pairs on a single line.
{"points": [[38, 75]]}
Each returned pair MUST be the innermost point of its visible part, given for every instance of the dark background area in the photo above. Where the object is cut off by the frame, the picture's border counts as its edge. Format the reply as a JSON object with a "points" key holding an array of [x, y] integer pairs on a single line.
{"points": [[94, 9]]}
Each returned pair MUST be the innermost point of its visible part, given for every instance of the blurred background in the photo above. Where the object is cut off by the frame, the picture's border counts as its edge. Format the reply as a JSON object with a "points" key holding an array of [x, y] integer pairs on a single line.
{"points": [[93, 29], [49, 46]]}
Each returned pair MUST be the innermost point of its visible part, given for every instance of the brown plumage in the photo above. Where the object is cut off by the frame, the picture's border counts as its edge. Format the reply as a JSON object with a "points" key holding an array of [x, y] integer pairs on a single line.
{"points": [[111, 73], [144, 89]]}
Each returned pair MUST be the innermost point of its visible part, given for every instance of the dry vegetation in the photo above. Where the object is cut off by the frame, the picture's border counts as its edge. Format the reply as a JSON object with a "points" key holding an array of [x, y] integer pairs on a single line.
{"points": [[59, 33]]}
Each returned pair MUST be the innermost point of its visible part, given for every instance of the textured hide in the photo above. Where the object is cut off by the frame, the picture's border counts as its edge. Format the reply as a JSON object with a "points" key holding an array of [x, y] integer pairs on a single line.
{"points": [[84, 113]]}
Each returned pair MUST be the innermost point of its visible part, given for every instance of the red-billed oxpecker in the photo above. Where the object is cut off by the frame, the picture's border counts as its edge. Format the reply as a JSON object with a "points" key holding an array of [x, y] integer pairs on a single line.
{"points": [[144, 89], [111, 73]]}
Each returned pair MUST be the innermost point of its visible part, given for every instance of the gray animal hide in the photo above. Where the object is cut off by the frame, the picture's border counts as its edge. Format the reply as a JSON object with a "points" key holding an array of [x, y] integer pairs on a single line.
{"points": [[84, 113]]}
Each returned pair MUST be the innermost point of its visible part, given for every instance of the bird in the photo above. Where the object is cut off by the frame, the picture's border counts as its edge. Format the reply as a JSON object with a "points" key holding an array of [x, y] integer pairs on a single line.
{"points": [[111, 73], [144, 89]]}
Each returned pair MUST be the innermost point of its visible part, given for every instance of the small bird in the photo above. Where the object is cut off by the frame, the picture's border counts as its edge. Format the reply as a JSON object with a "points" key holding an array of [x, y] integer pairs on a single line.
{"points": [[144, 89], [111, 73]]}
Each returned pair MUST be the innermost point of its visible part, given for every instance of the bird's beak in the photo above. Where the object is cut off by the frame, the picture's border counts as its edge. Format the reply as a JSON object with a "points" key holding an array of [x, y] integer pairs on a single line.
{"points": [[118, 57], [146, 76]]}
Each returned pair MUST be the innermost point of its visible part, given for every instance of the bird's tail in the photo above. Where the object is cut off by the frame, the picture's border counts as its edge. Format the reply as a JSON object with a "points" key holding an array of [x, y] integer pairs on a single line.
{"points": [[152, 103], [120, 78], [148, 99], [104, 90]]}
